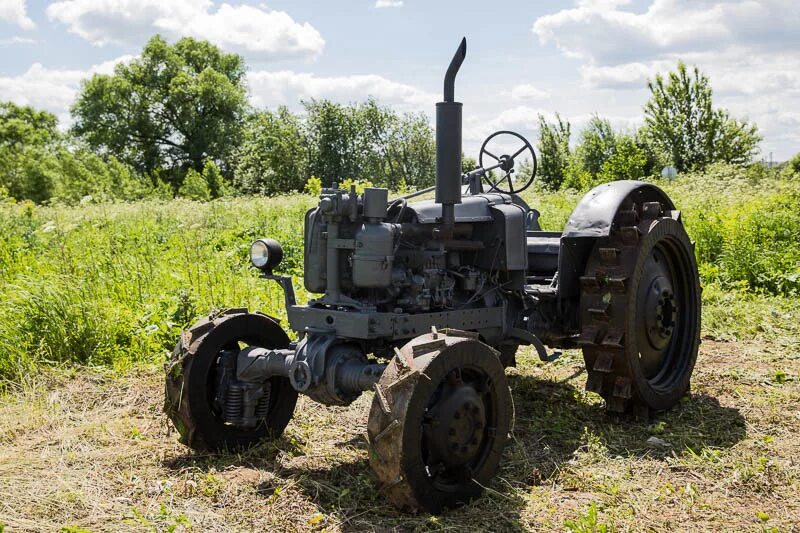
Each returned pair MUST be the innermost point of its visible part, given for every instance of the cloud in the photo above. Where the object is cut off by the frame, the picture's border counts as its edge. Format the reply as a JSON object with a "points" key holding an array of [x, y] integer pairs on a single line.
{"points": [[17, 40], [270, 89], [388, 3], [51, 89], [14, 11], [606, 34], [749, 49], [257, 31], [526, 91]]}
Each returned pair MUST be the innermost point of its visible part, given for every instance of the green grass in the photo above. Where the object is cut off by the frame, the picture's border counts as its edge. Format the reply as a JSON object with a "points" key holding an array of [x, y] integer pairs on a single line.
{"points": [[113, 284]]}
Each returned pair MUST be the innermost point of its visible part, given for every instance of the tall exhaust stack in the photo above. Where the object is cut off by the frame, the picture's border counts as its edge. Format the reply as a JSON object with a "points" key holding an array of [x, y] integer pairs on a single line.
{"points": [[448, 141]]}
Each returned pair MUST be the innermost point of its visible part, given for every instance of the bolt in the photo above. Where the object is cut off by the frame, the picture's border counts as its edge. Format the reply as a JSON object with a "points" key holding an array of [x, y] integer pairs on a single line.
{"points": [[456, 415]]}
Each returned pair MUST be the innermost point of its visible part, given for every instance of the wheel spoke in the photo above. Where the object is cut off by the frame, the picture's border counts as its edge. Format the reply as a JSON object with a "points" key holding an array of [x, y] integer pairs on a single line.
{"points": [[519, 151], [490, 154]]}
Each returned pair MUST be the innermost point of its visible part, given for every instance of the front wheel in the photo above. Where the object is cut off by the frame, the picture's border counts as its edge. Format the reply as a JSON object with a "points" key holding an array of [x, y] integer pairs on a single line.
{"points": [[439, 421], [640, 311], [204, 408]]}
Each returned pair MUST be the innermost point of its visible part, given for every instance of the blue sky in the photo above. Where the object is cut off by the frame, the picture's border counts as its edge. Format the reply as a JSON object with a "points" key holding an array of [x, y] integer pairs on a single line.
{"points": [[524, 58]]}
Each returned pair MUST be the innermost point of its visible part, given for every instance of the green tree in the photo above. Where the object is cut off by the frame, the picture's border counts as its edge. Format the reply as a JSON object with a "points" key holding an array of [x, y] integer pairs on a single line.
{"points": [[195, 187], [597, 144], [627, 162], [174, 107], [682, 122], [272, 157], [27, 169], [553, 151], [368, 142]]}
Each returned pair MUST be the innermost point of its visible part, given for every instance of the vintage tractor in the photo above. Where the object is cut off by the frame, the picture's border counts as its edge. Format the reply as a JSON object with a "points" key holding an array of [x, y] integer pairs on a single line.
{"points": [[425, 303]]}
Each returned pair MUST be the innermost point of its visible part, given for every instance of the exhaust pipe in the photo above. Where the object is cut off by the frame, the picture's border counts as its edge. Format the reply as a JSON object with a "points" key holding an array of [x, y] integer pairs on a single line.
{"points": [[448, 141]]}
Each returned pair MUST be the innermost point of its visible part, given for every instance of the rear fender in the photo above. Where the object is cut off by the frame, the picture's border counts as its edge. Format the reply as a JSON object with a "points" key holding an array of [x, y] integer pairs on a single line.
{"points": [[591, 220]]}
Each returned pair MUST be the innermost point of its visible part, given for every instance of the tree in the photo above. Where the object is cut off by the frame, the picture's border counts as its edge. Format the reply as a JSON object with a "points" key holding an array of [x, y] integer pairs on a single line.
{"points": [[553, 151], [174, 107], [682, 122], [368, 142], [627, 162], [597, 144], [27, 169], [272, 157]]}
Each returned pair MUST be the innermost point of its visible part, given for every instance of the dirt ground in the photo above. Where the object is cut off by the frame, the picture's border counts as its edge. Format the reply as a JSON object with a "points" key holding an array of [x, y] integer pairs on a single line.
{"points": [[92, 451]]}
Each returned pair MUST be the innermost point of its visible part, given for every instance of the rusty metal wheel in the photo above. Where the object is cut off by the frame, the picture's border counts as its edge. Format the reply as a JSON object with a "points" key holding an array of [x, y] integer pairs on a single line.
{"points": [[196, 369], [439, 421], [640, 311]]}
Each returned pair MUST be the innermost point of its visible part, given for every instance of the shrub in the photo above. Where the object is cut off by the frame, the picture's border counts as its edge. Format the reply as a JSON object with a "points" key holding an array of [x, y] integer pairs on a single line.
{"points": [[194, 187]]}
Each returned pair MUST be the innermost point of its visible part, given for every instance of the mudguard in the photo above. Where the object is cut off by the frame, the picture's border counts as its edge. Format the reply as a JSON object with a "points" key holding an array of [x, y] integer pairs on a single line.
{"points": [[592, 219]]}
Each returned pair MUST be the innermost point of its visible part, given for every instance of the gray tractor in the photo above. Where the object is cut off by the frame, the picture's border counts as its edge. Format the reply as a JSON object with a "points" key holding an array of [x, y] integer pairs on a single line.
{"points": [[425, 303]]}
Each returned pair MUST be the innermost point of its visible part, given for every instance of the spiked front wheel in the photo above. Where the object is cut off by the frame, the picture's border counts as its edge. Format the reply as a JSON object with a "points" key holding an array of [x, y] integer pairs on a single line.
{"points": [[439, 422], [196, 369], [640, 313]]}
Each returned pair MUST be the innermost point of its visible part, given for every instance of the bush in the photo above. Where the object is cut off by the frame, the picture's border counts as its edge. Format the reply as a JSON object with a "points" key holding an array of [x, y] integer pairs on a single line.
{"points": [[195, 187], [627, 162]]}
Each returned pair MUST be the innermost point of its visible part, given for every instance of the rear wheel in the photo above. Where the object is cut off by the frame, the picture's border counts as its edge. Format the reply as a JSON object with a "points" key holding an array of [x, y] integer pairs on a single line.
{"points": [[640, 311], [197, 401], [439, 422]]}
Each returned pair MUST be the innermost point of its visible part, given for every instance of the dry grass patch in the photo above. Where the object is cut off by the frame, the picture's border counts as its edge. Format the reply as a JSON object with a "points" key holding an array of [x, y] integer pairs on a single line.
{"points": [[90, 450]]}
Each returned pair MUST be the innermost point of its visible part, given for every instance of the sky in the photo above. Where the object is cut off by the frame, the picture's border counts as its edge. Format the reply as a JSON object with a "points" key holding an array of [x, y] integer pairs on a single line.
{"points": [[524, 58]]}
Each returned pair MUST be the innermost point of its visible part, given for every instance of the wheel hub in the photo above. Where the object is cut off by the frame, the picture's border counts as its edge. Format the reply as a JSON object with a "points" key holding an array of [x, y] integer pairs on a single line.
{"points": [[457, 424], [661, 313]]}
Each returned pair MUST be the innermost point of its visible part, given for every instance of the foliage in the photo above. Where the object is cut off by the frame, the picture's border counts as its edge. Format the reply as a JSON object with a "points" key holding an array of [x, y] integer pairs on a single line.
{"points": [[273, 157], [628, 161], [114, 283], [368, 142], [597, 144], [37, 163], [794, 164], [173, 107], [313, 186], [682, 122], [554, 151], [194, 187]]}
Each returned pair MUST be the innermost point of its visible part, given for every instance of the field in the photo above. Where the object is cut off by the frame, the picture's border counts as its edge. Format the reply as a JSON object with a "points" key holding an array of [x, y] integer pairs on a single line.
{"points": [[93, 296]]}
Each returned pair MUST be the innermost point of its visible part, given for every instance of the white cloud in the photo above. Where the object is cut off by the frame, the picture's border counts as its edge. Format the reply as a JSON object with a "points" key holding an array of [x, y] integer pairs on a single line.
{"points": [[269, 89], [388, 3], [257, 31], [606, 34], [526, 91], [749, 49], [17, 40], [51, 89], [14, 11]]}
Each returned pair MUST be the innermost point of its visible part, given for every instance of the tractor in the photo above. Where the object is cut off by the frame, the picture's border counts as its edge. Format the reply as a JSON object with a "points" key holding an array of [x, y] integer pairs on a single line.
{"points": [[424, 304]]}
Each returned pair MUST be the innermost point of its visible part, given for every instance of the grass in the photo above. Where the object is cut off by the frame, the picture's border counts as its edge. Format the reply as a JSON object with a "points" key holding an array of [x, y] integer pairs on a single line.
{"points": [[91, 449], [94, 296]]}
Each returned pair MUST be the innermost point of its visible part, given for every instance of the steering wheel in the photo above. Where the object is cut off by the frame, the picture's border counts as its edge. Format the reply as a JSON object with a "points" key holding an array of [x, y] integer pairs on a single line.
{"points": [[505, 163]]}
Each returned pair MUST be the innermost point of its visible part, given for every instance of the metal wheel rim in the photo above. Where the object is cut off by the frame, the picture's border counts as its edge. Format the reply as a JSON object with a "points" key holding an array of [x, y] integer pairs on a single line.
{"points": [[675, 357], [453, 478]]}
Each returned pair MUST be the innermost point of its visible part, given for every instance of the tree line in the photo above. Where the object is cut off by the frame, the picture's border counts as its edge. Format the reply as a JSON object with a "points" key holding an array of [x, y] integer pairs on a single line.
{"points": [[176, 120]]}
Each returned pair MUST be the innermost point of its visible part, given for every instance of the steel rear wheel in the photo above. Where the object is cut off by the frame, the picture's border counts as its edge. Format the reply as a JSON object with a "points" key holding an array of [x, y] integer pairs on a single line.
{"points": [[439, 422], [640, 315], [193, 374]]}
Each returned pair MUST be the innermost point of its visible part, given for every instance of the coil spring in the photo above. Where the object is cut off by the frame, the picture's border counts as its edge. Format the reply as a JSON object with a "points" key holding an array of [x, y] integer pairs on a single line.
{"points": [[262, 409], [233, 404]]}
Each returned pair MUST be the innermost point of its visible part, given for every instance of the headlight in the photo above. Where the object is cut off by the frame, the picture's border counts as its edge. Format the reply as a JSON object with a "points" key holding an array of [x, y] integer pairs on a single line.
{"points": [[266, 254]]}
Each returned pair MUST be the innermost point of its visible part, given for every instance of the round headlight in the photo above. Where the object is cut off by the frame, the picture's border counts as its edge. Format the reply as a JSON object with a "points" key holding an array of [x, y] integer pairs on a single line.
{"points": [[265, 254]]}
